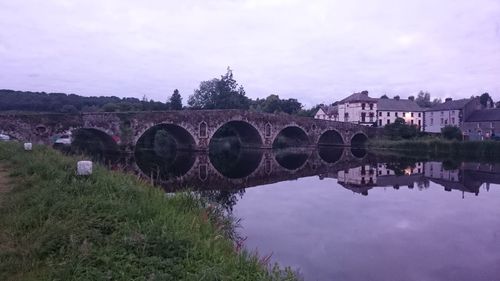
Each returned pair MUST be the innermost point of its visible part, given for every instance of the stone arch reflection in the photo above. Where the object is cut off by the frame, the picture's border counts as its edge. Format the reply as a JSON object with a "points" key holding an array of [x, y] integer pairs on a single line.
{"points": [[92, 142], [358, 152], [292, 158], [291, 136], [359, 140], [330, 154], [165, 151], [231, 149]]}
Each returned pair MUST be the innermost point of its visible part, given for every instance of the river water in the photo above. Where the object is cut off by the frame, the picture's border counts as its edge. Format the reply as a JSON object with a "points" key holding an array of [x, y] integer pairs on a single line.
{"points": [[342, 214]]}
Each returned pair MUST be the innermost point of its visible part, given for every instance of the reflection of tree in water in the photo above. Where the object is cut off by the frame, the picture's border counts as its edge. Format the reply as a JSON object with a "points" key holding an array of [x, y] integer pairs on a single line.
{"points": [[227, 199], [451, 164], [291, 158], [229, 157], [401, 165], [219, 205], [158, 156]]}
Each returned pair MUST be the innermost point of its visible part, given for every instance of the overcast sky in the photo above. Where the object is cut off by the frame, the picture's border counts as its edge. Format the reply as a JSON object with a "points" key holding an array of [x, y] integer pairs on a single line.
{"points": [[315, 51]]}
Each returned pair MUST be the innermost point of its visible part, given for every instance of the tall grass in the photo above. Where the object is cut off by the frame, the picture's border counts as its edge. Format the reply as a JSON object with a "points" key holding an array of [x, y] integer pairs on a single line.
{"points": [[55, 225]]}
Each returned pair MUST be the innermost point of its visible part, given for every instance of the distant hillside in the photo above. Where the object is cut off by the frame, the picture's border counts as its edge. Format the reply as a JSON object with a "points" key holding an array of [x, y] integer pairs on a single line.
{"points": [[58, 102]]}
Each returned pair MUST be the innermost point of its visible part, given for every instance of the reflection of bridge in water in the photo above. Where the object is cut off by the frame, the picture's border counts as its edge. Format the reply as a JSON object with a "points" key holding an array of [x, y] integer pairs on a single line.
{"points": [[354, 169], [257, 167]]}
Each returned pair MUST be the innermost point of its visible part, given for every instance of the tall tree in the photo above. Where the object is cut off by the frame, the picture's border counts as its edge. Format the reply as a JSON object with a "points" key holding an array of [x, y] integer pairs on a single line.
{"points": [[486, 100], [384, 96], [223, 93], [175, 102], [423, 99]]}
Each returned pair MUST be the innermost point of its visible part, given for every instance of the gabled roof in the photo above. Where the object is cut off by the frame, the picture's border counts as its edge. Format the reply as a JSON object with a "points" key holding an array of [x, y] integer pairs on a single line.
{"points": [[330, 109], [484, 115], [358, 97], [398, 105], [450, 105]]}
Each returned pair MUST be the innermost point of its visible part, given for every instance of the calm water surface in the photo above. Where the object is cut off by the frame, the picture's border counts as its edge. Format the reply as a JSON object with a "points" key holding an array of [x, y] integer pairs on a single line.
{"points": [[331, 233], [341, 214]]}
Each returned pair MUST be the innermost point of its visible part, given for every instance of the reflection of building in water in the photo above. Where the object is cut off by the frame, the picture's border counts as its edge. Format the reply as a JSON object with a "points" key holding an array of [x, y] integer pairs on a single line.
{"points": [[435, 170], [359, 176], [384, 170]]}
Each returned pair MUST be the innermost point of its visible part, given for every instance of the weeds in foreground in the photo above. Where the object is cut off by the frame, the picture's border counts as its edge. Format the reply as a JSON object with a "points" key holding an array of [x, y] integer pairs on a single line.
{"points": [[110, 226]]}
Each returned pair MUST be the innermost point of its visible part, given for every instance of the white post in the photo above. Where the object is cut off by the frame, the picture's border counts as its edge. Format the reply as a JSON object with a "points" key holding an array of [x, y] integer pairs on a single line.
{"points": [[84, 168], [28, 146]]}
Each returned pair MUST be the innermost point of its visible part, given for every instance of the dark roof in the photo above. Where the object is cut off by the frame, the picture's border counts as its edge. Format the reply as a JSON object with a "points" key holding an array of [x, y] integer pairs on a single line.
{"points": [[358, 97], [450, 105], [398, 105], [330, 109], [484, 115]]}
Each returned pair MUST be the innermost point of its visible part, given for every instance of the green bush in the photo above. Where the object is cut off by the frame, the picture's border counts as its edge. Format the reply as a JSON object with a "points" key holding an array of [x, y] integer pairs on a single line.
{"points": [[451, 133]]}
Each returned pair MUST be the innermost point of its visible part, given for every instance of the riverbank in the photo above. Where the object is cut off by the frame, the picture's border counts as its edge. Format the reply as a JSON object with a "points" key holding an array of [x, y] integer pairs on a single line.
{"points": [[110, 226], [437, 147]]}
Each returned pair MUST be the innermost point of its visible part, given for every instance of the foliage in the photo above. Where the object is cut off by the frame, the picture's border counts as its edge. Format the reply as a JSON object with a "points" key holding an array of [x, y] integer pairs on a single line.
{"points": [[486, 100], [110, 226], [58, 102], [399, 129], [384, 96], [439, 148], [273, 104], [423, 99], [223, 93], [451, 133], [175, 102]]}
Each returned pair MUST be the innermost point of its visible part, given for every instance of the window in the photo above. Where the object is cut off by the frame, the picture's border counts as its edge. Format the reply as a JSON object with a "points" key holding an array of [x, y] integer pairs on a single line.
{"points": [[380, 122], [404, 114], [412, 114], [363, 106], [363, 117], [388, 114], [432, 121], [380, 113], [452, 120], [396, 114], [442, 113], [446, 121], [388, 121], [411, 121], [419, 114], [442, 121], [371, 106], [419, 123]]}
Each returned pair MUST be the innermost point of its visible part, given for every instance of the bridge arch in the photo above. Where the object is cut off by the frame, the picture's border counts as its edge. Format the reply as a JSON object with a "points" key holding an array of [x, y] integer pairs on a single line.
{"points": [[291, 136], [246, 133], [95, 143], [165, 150], [359, 139], [331, 137], [229, 151]]}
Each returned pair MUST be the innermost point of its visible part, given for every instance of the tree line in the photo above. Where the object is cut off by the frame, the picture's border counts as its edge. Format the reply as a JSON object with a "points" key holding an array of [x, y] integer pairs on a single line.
{"points": [[217, 93]]}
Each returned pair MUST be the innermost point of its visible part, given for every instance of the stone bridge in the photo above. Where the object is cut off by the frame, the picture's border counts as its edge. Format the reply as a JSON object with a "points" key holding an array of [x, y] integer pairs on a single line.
{"points": [[193, 129]]}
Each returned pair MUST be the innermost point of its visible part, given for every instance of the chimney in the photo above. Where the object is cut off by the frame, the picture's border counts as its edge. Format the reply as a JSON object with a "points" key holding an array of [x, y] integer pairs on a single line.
{"points": [[448, 99]]}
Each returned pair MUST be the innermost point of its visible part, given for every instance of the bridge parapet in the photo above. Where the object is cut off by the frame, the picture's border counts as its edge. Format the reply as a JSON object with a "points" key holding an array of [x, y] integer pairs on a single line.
{"points": [[126, 128]]}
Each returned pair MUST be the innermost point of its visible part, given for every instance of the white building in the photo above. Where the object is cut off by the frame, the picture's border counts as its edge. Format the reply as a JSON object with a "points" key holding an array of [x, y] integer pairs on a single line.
{"points": [[327, 113], [358, 108], [388, 110], [449, 113]]}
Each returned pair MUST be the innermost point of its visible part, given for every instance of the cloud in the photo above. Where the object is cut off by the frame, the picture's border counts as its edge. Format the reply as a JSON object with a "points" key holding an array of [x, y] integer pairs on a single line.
{"points": [[314, 51]]}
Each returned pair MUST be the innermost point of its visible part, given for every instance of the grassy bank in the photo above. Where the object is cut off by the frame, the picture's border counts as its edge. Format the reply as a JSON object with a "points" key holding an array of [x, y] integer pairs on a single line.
{"points": [[110, 226], [437, 147]]}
